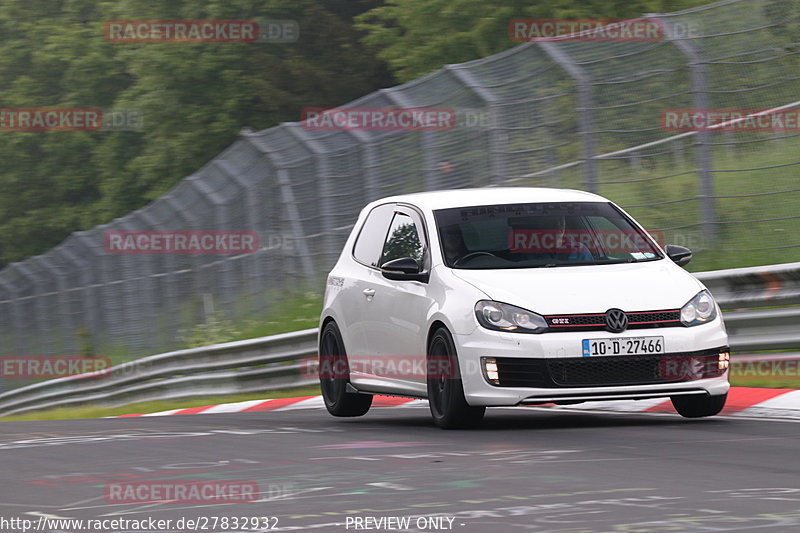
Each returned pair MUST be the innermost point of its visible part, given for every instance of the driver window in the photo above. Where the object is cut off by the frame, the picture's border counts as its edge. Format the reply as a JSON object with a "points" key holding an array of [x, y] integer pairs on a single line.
{"points": [[402, 240]]}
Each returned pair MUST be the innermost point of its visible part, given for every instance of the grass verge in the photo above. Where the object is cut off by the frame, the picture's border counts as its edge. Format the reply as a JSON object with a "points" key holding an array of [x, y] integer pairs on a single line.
{"points": [[788, 382], [159, 405], [777, 382]]}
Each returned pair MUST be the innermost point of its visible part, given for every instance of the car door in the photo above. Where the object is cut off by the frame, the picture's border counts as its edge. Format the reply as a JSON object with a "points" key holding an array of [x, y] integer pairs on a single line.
{"points": [[396, 317], [353, 277]]}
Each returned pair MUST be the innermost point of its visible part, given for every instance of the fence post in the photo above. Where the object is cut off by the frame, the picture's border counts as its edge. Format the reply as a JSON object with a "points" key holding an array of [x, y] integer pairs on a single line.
{"points": [[88, 307], [24, 320], [585, 109], [57, 333], [369, 163], [253, 264], [287, 196], [430, 155], [218, 270], [16, 318], [289, 202], [698, 72], [324, 192], [490, 100], [38, 312], [148, 297]]}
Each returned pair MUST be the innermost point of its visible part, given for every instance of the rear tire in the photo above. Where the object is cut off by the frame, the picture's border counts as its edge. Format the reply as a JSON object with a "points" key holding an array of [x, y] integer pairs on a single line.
{"points": [[449, 408], [334, 375], [698, 407]]}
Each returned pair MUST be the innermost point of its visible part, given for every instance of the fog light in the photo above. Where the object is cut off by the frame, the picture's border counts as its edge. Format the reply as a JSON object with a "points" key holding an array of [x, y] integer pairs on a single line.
{"points": [[724, 360], [490, 371]]}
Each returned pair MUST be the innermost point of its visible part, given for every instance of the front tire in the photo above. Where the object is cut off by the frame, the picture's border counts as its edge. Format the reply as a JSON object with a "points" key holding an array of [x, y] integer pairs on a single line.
{"points": [[449, 408], [334, 375], [698, 407]]}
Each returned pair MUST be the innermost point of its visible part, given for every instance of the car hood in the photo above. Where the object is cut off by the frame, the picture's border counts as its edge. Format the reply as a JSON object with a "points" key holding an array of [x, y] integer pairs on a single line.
{"points": [[651, 285]]}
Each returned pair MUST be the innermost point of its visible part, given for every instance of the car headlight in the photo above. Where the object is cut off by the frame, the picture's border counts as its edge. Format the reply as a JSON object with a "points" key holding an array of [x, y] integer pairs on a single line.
{"points": [[504, 317], [699, 310]]}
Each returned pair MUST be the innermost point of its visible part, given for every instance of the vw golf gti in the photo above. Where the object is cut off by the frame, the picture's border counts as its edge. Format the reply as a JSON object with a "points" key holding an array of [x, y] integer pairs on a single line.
{"points": [[515, 296]]}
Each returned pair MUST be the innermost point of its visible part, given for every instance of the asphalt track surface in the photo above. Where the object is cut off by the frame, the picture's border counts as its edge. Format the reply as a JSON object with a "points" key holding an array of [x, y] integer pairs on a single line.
{"points": [[525, 469]]}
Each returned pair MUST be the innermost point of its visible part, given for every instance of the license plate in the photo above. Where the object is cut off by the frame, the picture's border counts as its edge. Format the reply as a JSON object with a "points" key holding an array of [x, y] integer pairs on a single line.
{"points": [[623, 346]]}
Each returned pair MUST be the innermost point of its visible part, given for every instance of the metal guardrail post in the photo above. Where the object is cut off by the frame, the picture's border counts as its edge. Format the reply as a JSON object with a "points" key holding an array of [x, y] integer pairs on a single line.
{"points": [[585, 109], [698, 70]]}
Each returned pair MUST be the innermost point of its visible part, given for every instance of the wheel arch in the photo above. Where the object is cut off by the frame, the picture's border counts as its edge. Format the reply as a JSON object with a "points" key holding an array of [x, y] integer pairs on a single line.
{"points": [[324, 322], [435, 325]]}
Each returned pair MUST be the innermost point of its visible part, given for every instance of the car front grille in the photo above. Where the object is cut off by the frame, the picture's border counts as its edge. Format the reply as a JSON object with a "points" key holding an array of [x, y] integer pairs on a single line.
{"points": [[607, 370], [597, 321]]}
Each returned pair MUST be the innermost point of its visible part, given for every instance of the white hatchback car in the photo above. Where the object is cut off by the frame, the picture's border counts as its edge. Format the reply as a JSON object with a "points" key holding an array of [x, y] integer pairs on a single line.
{"points": [[515, 296]]}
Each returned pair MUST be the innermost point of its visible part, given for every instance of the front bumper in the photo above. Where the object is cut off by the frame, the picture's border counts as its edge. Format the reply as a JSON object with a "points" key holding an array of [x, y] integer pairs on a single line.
{"points": [[550, 367]]}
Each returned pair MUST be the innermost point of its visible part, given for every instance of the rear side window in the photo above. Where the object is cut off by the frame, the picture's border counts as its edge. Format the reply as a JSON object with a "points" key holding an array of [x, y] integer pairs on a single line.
{"points": [[369, 243]]}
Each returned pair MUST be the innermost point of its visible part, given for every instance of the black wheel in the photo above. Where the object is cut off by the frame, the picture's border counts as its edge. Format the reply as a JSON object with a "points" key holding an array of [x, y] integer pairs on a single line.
{"points": [[449, 408], [698, 407], [334, 375]]}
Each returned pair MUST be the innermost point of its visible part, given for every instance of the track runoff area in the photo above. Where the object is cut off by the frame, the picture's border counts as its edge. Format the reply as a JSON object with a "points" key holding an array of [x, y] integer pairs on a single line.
{"points": [[286, 465]]}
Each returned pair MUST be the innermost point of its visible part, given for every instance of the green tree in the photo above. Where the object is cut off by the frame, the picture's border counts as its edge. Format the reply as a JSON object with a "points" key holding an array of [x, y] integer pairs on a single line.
{"points": [[416, 37], [194, 99]]}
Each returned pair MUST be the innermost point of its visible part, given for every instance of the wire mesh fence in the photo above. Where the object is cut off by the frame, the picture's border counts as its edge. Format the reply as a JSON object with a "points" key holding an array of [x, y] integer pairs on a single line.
{"points": [[558, 112]]}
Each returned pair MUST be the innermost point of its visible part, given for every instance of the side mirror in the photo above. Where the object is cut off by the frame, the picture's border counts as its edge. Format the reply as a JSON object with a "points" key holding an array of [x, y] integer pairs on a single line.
{"points": [[679, 254], [403, 269]]}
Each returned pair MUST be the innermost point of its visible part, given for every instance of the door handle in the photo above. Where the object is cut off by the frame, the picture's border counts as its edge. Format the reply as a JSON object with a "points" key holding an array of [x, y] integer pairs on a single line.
{"points": [[369, 293]]}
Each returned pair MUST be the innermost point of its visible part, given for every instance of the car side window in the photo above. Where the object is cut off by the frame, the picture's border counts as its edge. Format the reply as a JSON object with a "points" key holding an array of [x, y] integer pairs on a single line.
{"points": [[369, 243], [402, 240]]}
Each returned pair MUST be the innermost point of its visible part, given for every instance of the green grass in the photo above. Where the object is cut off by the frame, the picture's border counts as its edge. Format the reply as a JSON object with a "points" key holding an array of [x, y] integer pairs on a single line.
{"points": [[97, 411], [766, 382], [747, 375], [291, 312], [738, 244]]}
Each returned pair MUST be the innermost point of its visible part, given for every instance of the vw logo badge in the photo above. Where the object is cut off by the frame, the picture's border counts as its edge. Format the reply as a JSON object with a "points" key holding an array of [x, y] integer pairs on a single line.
{"points": [[616, 320]]}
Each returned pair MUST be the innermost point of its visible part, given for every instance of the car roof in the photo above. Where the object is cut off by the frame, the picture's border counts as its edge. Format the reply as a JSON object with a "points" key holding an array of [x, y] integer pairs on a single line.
{"points": [[444, 199]]}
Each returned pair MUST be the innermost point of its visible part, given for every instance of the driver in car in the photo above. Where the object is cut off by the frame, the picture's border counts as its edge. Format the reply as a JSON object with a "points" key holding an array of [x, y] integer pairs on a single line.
{"points": [[453, 243], [568, 248]]}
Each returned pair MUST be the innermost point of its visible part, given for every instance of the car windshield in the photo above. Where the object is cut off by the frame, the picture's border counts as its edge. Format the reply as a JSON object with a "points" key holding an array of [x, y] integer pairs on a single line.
{"points": [[538, 235]]}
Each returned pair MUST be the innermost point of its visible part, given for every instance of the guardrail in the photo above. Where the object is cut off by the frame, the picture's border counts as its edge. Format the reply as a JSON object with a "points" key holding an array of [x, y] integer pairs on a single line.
{"points": [[275, 362], [265, 363]]}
